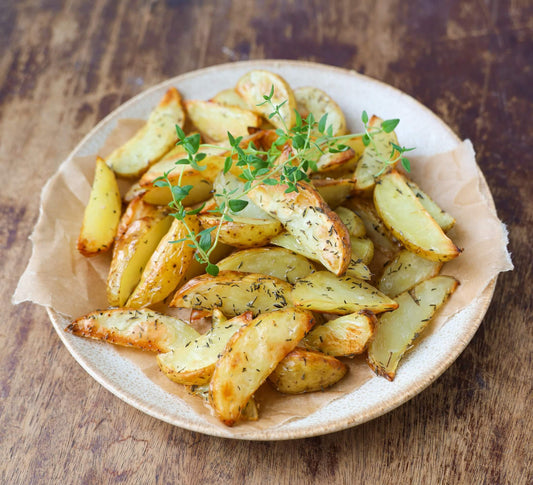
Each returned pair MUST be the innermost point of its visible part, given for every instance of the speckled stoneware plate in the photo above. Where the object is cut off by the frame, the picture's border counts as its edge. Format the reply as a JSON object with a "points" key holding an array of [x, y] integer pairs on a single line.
{"points": [[353, 92]]}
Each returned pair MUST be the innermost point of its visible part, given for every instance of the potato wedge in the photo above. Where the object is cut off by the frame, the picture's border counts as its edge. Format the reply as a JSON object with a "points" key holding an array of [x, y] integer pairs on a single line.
{"points": [[152, 141], [214, 120], [194, 362], [251, 355], [305, 370], [344, 336], [278, 262], [131, 253], [141, 329], [230, 97], [362, 248], [352, 221], [167, 265], [102, 213], [370, 167], [443, 219], [358, 269], [201, 181], [325, 292], [334, 191], [243, 232], [328, 162], [249, 413], [315, 101], [376, 231], [405, 271], [309, 219], [234, 293], [258, 83], [196, 268], [403, 214], [136, 209], [397, 330]]}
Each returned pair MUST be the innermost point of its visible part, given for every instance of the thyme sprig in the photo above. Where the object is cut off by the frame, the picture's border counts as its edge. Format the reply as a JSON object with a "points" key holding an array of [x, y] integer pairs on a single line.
{"points": [[308, 139]]}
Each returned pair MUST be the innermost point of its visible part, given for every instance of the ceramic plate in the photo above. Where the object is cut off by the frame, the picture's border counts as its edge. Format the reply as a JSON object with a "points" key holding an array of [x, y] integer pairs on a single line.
{"points": [[353, 92]]}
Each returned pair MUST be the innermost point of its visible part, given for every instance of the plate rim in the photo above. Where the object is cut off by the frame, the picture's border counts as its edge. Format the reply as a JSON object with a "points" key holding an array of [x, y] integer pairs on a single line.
{"points": [[482, 303]]}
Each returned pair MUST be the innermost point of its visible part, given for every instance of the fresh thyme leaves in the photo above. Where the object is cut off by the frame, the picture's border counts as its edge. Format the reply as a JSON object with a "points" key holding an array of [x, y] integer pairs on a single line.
{"points": [[289, 159]]}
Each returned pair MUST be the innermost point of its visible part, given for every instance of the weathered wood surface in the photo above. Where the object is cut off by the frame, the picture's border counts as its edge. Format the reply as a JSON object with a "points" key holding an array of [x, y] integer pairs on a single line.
{"points": [[66, 64]]}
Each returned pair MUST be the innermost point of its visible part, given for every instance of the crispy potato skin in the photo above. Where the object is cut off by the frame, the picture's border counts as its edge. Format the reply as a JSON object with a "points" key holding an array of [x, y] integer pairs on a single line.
{"points": [[251, 355], [102, 213], [141, 329], [309, 219], [305, 370]]}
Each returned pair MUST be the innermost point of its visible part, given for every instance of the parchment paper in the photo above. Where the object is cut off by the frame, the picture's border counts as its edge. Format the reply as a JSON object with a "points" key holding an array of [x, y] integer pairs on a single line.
{"points": [[57, 276]]}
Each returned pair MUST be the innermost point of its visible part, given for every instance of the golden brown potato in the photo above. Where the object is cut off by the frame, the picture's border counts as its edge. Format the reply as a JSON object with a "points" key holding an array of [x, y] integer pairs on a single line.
{"points": [[334, 191], [141, 329], [397, 330], [102, 213], [251, 355], [315, 101], [194, 362], [309, 219], [443, 219], [278, 262], [305, 370], [230, 97], [131, 253], [167, 265], [325, 292], [352, 221], [344, 336], [403, 214], [152, 141], [214, 120], [258, 83], [243, 232], [201, 181], [405, 271], [370, 166], [234, 293]]}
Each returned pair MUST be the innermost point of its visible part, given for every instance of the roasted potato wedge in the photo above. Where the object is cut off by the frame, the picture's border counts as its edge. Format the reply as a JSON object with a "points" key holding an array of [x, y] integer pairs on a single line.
{"points": [[344, 336], [352, 221], [405, 271], [131, 253], [102, 213], [243, 232], [256, 84], [136, 209], [305, 370], [362, 248], [329, 162], [376, 231], [443, 219], [278, 262], [370, 167], [230, 97], [167, 265], [201, 181], [250, 357], [234, 293], [249, 413], [141, 329], [196, 268], [315, 101], [325, 292], [152, 141], [397, 330], [309, 219], [403, 214], [334, 191], [194, 362], [214, 120]]}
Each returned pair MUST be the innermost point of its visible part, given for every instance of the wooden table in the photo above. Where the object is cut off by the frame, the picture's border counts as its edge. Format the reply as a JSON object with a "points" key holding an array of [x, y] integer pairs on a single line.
{"points": [[65, 65]]}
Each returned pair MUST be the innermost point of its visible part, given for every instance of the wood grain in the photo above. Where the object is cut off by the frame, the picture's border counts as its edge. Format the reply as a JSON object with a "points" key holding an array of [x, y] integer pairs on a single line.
{"points": [[64, 65]]}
